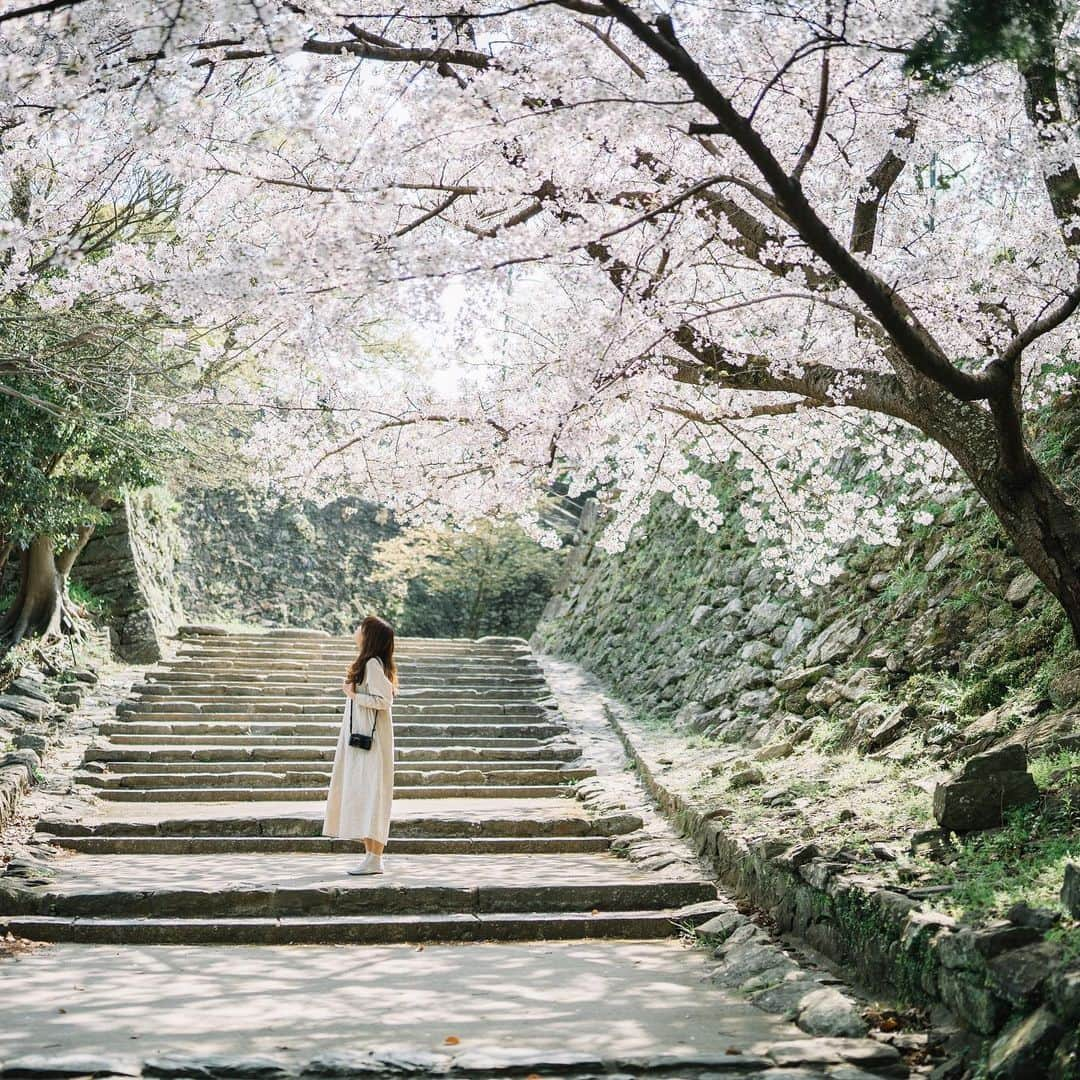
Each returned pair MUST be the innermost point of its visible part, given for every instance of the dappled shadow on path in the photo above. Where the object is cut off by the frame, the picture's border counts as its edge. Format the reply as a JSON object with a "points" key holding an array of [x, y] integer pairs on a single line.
{"points": [[611, 998]]}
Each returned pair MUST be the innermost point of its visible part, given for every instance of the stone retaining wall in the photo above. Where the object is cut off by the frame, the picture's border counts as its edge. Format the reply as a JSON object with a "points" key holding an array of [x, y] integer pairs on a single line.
{"points": [[129, 566]]}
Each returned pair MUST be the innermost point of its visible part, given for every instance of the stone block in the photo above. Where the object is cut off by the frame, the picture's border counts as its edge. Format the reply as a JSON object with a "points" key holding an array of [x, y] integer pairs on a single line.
{"points": [[746, 778], [989, 785], [1070, 889], [1025, 1049], [797, 678]]}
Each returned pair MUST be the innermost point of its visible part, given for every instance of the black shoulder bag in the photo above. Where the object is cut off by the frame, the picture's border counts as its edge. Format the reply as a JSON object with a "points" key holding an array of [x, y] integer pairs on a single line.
{"points": [[358, 738]]}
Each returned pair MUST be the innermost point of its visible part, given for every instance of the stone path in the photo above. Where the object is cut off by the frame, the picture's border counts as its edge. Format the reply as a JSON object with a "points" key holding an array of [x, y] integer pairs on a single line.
{"points": [[202, 922]]}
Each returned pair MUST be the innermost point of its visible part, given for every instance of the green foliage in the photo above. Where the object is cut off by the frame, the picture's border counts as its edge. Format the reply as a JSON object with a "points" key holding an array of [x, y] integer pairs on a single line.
{"points": [[86, 598], [989, 692], [972, 33], [67, 443], [488, 579]]}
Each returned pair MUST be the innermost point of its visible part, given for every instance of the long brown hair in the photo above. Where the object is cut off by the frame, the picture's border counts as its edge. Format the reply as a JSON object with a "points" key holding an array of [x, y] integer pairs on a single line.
{"points": [[376, 639]]}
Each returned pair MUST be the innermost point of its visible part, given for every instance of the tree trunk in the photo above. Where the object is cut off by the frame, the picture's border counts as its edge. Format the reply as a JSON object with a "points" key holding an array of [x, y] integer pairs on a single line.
{"points": [[1045, 527], [42, 607]]}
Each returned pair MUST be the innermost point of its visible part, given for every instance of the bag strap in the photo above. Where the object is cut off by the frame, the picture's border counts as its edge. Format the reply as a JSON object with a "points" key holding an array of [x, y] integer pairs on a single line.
{"points": [[373, 726]]}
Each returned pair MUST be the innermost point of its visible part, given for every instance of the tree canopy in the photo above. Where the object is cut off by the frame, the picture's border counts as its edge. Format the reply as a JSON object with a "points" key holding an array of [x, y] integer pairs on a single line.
{"points": [[625, 239]]}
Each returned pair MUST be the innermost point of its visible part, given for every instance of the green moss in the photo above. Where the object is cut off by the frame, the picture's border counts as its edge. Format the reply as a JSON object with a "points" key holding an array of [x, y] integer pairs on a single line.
{"points": [[991, 691]]}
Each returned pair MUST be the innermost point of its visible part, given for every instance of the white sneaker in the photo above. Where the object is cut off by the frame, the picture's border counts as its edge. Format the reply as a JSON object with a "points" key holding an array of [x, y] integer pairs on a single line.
{"points": [[372, 864]]}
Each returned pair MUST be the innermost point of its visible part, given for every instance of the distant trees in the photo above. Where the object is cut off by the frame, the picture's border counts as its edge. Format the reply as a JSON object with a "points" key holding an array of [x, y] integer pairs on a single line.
{"points": [[487, 579]]}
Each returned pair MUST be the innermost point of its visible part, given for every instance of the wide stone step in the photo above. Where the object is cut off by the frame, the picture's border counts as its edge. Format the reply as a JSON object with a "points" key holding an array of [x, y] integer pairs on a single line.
{"points": [[448, 824], [309, 794], [306, 678], [321, 766], [346, 652], [268, 729], [444, 712], [285, 667], [264, 886], [417, 696], [240, 706], [490, 756], [397, 845], [268, 776], [125, 738], [362, 929]]}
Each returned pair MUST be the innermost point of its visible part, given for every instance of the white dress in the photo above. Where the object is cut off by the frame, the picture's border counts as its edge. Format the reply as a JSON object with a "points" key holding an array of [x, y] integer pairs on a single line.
{"points": [[362, 781]]}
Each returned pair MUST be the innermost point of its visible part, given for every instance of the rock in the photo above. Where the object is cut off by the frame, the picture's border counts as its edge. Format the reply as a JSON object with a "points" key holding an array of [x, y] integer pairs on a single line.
{"points": [[1064, 689], [28, 759], [1063, 993], [836, 641], [890, 728], [746, 778], [826, 694], [774, 751], [1019, 974], [31, 741], [757, 702], [933, 843], [1024, 1050], [1070, 890], [722, 925], [27, 707], [763, 617], [700, 612], [1011, 758], [1022, 914], [30, 688], [1020, 588], [989, 784], [862, 684], [800, 677], [828, 1012], [69, 696], [757, 653]]}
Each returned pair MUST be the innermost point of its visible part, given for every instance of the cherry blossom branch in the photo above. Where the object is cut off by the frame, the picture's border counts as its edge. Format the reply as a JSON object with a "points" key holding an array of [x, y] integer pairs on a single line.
{"points": [[913, 340]]}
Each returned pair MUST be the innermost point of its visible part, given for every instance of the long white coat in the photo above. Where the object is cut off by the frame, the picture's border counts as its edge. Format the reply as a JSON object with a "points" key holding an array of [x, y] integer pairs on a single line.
{"points": [[362, 781]]}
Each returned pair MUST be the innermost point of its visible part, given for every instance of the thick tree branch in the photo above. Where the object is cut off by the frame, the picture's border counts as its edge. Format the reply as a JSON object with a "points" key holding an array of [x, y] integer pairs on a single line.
{"points": [[913, 341]]}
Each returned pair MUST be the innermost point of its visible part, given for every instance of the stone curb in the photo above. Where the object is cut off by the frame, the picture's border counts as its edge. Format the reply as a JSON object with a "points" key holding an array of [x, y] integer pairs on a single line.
{"points": [[838, 1058], [988, 978]]}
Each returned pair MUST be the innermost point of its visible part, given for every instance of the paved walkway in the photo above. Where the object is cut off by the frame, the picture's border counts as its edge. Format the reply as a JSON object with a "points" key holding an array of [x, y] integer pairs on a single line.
{"points": [[208, 935]]}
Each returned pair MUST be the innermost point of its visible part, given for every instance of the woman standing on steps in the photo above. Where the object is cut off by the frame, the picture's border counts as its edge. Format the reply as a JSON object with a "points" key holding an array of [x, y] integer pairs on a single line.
{"points": [[362, 780]]}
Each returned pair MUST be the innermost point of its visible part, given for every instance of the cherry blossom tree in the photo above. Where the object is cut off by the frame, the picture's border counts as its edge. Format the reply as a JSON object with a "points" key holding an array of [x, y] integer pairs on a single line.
{"points": [[623, 239]]}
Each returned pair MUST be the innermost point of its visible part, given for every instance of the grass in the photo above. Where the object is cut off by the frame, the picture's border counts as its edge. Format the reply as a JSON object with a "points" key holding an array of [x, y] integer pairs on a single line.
{"points": [[1025, 858]]}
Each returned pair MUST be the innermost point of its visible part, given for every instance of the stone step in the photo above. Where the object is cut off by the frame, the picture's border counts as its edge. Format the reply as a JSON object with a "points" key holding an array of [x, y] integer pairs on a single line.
{"points": [[125, 738], [448, 824], [114, 754], [256, 707], [268, 728], [308, 794], [345, 652], [304, 670], [265, 886], [305, 676], [398, 845], [322, 767], [409, 696], [460, 823], [268, 776], [361, 929], [445, 712]]}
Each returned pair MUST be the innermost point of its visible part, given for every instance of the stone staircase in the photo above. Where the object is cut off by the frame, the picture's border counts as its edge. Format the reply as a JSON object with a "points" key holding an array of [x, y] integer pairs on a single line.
{"points": [[209, 785]]}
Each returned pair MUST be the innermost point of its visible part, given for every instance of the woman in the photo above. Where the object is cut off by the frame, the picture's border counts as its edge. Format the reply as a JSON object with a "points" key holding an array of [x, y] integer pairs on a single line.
{"points": [[362, 781]]}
